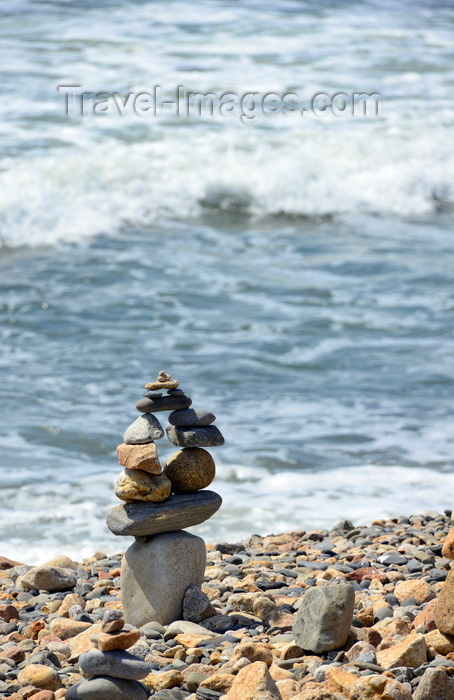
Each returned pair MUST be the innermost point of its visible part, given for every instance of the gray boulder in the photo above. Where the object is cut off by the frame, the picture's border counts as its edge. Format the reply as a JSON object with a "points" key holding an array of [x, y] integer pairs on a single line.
{"points": [[324, 617]]}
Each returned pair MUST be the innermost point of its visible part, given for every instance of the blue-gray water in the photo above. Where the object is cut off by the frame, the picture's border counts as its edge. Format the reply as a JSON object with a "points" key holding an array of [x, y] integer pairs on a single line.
{"points": [[295, 274]]}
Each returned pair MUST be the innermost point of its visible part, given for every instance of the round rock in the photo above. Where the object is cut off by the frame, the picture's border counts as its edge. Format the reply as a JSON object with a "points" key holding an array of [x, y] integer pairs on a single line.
{"points": [[190, 469], [136, 485], [145, 429], [190, 417]]}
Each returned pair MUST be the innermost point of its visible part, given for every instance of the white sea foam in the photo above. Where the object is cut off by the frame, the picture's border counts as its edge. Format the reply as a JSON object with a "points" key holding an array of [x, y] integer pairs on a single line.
{"points": [[255, 501], [77, 192]]}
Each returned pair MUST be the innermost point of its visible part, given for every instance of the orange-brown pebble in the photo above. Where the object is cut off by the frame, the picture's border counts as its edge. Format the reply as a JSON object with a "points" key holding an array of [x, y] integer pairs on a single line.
{"points": [[143, 457], [119, 640], [448, 547]]}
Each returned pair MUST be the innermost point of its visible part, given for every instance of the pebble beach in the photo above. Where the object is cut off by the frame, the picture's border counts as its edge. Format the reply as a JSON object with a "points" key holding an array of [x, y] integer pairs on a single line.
{"points": [[240, 636]]}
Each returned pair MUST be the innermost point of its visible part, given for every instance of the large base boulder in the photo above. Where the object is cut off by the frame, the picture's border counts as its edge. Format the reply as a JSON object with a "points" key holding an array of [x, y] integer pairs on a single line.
{"points": [[156, 573]]}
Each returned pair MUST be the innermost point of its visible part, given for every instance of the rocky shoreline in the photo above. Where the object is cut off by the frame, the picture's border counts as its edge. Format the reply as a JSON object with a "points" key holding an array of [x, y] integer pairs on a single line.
{"points": [[238, 639]]}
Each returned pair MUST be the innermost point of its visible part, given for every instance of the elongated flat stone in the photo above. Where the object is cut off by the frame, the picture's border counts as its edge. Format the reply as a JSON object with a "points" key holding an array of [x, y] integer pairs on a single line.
{"points": [[204, 436], [191, 417], [119, 664], [105, 688], [163, 403], [145, 429], [176, 513]]}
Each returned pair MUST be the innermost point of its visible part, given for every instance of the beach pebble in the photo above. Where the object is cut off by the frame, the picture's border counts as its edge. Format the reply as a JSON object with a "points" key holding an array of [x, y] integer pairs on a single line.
{"points": [[65, 628], [196, 605], [190, 469], [144, 457], [105, 688], [137, 485], [324, 617], [254, 682], [163, 403], [434, 685], [206, 436], [444, 609], [418, 589], [156, 573], [123, 639], [176, 513], [48, 578], [191, 417], [411, 651], [119, 664], [39, 676]]}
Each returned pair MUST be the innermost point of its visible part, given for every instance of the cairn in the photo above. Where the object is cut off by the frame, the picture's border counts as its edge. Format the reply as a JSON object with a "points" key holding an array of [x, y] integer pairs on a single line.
{"points": [[164, 560], [110, 671]]}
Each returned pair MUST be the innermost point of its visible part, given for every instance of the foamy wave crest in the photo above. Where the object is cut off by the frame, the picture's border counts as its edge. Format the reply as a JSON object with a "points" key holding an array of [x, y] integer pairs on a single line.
{"points": [[77, 191]]}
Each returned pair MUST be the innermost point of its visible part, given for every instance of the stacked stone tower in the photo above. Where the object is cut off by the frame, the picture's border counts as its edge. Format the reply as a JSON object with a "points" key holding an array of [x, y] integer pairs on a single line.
{"points": [[159, 504]]}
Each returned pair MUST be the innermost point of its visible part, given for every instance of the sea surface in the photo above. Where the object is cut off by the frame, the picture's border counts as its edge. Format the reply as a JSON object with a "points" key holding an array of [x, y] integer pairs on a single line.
{"points": [[295, 274]]}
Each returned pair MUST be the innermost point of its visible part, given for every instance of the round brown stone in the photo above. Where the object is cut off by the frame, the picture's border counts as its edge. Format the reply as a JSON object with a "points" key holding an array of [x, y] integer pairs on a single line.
{"points": [[190, 469]]}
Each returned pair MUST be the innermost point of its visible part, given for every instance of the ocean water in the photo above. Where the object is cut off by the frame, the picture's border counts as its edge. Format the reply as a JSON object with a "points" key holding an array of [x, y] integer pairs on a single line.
{"points": [[295, 273]]}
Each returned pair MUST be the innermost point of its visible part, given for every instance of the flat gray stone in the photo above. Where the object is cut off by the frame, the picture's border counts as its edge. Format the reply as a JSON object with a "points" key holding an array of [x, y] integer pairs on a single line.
{"points": [[206, 436], [119, 664], [324, 617], [155, 575], [145, 429], [152, 394], [105, 688], [191, 417], [176, 513], [164, 403]]}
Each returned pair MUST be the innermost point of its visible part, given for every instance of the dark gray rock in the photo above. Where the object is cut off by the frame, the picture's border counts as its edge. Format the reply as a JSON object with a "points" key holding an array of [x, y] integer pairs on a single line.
{"points": [[152, 394], [171, 694], [176, 513], [206, 436], [164, 403], [196, 605], [388, 559], [105, 688], [191, 417], [145, 429], [324, 617], [119, 664]]}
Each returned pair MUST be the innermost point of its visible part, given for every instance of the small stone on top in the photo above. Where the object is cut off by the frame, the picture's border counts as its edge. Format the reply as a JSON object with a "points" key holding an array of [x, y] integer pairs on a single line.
{"points": [[164, 381]]}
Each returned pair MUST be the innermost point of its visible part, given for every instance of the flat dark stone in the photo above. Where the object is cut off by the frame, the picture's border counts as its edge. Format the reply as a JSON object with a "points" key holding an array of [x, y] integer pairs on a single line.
{"points": [[163, 403], [191, 417], [207, 436], [152, 394], [145, 518]]}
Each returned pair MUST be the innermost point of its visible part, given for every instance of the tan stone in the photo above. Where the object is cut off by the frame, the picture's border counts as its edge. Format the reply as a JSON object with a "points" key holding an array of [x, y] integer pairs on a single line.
{"points": [[434, 685], [254, 682], [190, 469], [253, 651], [163, 681], [288, 688], [378, 688], [440, 643], [391, 626], [448, 547], [366, 616], [117, 640], [39, 676], [357, 649], [62, 561], [263, 606], [65, 629], [156, 386], [60, 693], [291, 651], [221, 682], [444, 610], [67, 602], [82, 643], [418, 589], [279, 674], [44, 695], [316, 691], [340, 680], [137, 485], [188, 639], [144, 457], [411, 651]]}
